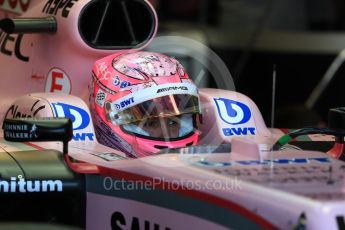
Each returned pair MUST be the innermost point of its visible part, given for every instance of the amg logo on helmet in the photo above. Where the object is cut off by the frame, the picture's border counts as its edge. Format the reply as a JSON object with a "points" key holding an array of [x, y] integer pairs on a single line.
{"points": [[24, 186], [172, 88]]}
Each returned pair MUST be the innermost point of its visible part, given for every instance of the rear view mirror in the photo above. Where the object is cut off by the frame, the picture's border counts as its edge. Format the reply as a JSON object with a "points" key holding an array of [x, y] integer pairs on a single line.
{"points": [[42, 129]]}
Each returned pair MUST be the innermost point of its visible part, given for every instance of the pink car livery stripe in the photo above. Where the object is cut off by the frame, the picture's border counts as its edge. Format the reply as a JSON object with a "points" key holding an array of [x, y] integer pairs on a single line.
{"points": [[177, 198]]}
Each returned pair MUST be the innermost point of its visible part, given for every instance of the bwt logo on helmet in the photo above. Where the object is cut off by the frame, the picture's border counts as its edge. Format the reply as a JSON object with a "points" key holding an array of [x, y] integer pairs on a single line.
{"points": [[79, 117], [122, 84], [172, 88], [234, 113], [124, 103]]}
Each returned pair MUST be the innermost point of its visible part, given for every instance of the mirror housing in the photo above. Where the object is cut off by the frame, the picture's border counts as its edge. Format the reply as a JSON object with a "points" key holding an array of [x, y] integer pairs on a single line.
{"points": [[42, 129]]}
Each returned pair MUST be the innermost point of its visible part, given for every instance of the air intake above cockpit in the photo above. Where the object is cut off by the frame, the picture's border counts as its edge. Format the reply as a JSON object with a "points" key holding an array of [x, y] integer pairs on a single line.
{"points": [[117, 24]]}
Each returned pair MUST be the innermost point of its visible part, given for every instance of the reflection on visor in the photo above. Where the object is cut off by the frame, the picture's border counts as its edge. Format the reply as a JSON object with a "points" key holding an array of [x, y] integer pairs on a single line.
{"points": [[166, 106], [163, 127]]}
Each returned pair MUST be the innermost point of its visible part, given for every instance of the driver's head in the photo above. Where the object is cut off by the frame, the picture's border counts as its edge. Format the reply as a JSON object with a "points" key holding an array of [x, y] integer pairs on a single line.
{"points": [[143, 102]]}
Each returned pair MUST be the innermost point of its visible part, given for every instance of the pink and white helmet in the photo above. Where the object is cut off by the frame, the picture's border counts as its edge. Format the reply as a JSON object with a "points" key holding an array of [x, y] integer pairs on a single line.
{"points": [[143, 102]]}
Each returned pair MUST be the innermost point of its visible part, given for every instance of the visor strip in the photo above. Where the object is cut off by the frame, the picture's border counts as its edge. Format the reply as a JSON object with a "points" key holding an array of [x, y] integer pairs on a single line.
{"points": [[154, 92]]}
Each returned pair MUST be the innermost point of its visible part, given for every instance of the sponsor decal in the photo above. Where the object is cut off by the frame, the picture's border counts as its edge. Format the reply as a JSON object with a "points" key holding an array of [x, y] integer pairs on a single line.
{"points": [[14, 112], [10, 44], [320, 160], [122, 84], [80, 119], [27, 131], [33, 131], [118, 221], [56, 7], [15, 6], [125, 103], [20, 127], [238, 131], [172, 88], [234, 113], [116, 81], [26, 186], [100, 97], [58, 81], [138, 87]]}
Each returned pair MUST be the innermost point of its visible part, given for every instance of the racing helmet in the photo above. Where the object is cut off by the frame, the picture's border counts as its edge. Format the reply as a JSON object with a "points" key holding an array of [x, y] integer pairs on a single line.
{"points": [[143, 102]]}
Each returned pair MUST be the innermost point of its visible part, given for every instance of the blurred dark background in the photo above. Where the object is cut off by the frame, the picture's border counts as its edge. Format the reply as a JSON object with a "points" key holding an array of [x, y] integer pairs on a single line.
{"points": [[301, 38]]}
